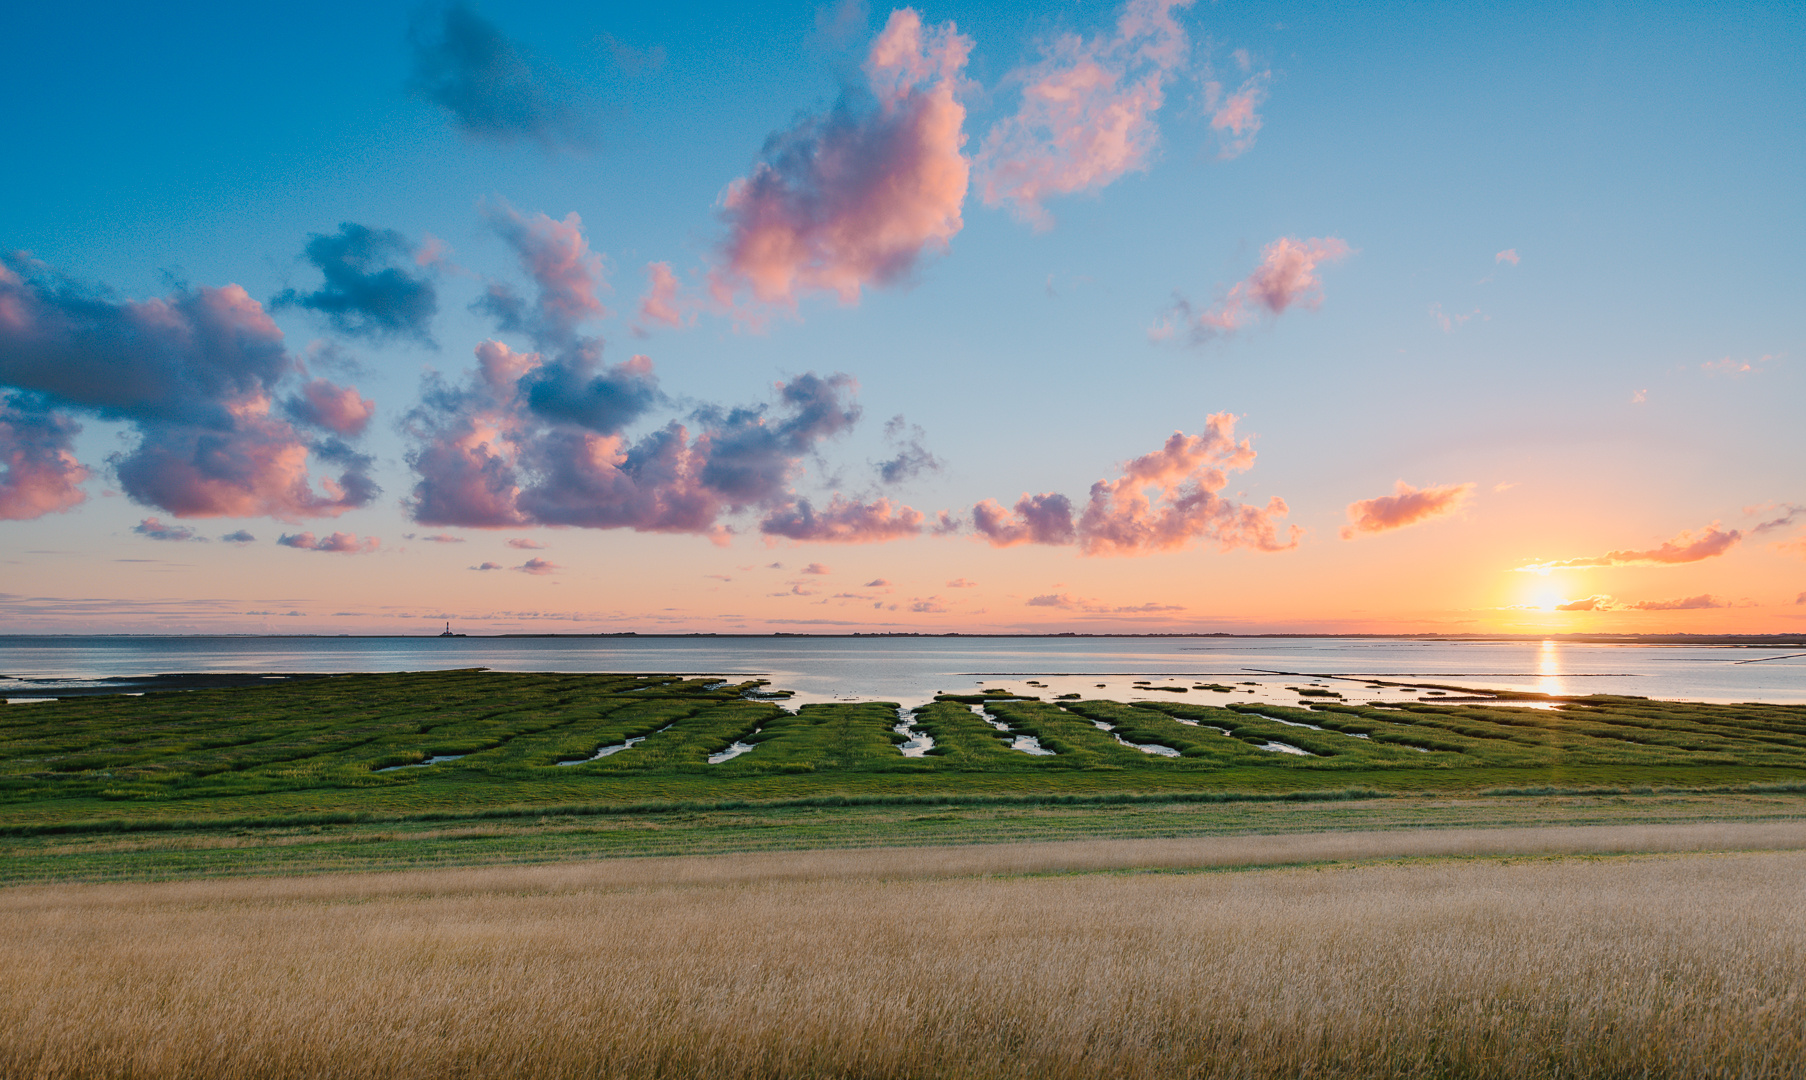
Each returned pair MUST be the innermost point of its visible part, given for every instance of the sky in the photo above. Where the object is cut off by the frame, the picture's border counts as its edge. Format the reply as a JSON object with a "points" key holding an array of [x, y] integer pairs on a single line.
{"points": [[1147, 317]]}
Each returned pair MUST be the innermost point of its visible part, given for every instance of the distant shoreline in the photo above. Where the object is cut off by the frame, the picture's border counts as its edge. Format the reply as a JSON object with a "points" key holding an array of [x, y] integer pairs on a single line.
{"points": [[1761, 640]]}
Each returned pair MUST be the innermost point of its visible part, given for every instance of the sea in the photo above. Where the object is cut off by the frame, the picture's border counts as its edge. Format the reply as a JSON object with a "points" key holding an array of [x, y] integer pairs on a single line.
{"points": [[910, 670]]}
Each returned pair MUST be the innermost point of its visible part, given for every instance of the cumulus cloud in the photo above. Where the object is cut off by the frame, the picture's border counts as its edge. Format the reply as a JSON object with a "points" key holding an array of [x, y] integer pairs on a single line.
{"points": [[1686, 548], [338, 409], [241, 536], [1164, 500], [156, 530], [338, 542], [1405, 506], [365, 293], [911, 458], [538, 567], [929, 606], [1509, 255], [490, 87], [855, 198], [489, 566], [568, 276], [816, 568], [38, 471], [1055, 600], [877, 583], [1037, 519], [522, 543], [195, 374], [1287, 276], [1087, 112], [521, 443], [962, 583]]}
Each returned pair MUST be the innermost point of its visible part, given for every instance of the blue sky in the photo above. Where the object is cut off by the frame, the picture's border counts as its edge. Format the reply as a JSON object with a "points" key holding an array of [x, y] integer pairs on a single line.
{"points": [[1643, 166]]}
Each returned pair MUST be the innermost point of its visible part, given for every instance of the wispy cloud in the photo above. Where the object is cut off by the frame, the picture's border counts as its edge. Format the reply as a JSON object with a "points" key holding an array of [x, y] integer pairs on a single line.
{"points": [[1405, 506], [156, 530], [911, 457], [1087, 112], [1685, 548], [491, 88], [338, 542], [844, 521], [1602, 602], [1287, 277], [1232, 113]]}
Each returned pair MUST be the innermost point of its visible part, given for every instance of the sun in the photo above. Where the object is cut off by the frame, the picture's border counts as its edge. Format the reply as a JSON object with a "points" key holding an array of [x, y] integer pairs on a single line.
{"points": [[1545, 597]]}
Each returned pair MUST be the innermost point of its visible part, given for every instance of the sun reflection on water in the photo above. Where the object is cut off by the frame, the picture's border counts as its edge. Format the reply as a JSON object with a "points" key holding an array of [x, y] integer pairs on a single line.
{"points": [[1548, 669]]}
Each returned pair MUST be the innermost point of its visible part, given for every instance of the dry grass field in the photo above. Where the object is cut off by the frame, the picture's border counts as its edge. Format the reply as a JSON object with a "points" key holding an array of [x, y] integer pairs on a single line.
{"points": [[1508, 953]]}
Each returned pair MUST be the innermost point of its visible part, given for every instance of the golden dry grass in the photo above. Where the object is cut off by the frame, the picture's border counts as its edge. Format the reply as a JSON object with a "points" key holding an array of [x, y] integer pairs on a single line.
{"points": [[913, 963]]}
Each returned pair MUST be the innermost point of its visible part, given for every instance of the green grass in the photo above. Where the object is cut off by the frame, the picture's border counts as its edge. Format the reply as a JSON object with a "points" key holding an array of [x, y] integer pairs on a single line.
{"points": [[310, 754]]}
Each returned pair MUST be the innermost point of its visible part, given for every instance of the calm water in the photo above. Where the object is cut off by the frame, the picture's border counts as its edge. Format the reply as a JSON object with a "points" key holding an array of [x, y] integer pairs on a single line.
{"points": [[911, 670]]}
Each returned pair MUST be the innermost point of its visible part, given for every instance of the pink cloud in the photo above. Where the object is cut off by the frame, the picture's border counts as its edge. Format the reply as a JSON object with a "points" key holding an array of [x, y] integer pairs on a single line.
{"points": [[1187, 473], [855, 198], [521, 543], [1232, 116], [194, 374], [1590, 603], [1087, 112], [1509, 255], [1053, 600], [962, 583], [568, 274], [1788, 514], [816, 568], [1690, 603], [1685, 548], [844, 521], [38, 471], [1405, 506], [442, 538], [538, 567], [521, 443], [489, 566], [1727, 366], [1287, 275], [929, 606], [338, 409], [342, 543], [877, 583], [660, 304], [157, 530], [1037, 519], [1122, 518]]}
